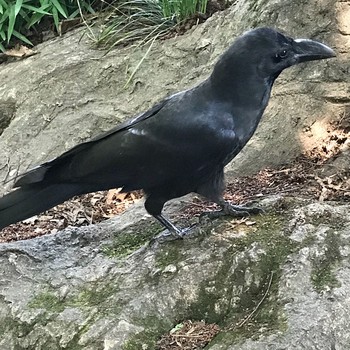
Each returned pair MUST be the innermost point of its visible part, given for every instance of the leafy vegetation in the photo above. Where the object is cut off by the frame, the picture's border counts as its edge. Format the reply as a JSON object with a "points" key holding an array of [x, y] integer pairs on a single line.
{"points": [[123, 21], [130, 20], [18, 16]]}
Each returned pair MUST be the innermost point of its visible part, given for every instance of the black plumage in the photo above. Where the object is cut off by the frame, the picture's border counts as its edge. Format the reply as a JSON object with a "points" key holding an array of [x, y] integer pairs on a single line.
{"points": [[180, 145]]}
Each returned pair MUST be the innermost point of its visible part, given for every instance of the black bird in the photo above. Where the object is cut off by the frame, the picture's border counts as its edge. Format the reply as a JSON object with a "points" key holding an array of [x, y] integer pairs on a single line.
{"points": [[181, 145]]}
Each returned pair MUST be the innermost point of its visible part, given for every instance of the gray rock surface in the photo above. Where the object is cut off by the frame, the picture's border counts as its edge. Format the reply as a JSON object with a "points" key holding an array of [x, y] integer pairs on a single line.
{"points": [[78, 290], [100, 287], [69, 92]]}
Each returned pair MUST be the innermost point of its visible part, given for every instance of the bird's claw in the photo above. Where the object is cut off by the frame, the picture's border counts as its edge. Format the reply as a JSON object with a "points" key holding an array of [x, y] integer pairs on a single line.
{"points": [[241, 210], [238, 211], [168, 236]]}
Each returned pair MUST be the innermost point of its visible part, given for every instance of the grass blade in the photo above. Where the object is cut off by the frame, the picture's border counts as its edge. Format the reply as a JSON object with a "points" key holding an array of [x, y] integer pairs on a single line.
{"points": [[56, 19], [140, 62], [59, 8], [11, 25], [22, 37], [18, 6]]}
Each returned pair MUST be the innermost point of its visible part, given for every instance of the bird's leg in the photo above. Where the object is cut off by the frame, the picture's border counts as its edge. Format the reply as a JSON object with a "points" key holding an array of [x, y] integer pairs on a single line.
{"points": [[237, 211], [171, 233], [154, 205], [173, 230]]}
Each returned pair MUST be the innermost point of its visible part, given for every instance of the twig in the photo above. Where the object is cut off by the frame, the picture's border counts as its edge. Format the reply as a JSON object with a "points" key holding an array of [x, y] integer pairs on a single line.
{"points": [[14, 177], [140, 62], [7, 165], [93, 37], [244, 321], [187, 335]]}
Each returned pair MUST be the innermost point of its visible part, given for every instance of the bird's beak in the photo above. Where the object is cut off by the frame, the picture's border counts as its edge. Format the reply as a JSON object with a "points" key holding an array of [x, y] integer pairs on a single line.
{"points": [[309, 50]]}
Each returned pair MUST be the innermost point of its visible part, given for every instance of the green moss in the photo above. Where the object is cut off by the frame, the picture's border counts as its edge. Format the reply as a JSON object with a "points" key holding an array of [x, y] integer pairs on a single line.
{"points": [[131, 239], [213, 297], [47, 300], [98, 295], [322, 275], [144, 340], [326, 217], [218, 302], [169, 253], [74, 345], [95, 295], [147, 339], [21, 329]]}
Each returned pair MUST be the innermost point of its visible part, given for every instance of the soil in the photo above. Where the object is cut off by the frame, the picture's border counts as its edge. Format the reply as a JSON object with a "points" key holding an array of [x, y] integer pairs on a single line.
{"points": [[188, 335]]}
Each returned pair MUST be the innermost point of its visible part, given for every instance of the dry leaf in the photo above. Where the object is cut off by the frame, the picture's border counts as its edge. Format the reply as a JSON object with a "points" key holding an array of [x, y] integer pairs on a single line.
{"points": [[20, 52], [31, 221], [250, 223], [112, 195]]}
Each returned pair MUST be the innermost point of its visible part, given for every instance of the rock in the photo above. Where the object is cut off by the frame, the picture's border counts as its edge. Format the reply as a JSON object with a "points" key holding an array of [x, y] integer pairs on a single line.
{"points": [[7, 111], [281, 283], [72, 92], [75, 290]]}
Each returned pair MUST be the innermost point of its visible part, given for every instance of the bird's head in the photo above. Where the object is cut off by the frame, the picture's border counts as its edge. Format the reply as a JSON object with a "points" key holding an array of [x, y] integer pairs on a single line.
{"points": [[265, 53], [273, 51]]}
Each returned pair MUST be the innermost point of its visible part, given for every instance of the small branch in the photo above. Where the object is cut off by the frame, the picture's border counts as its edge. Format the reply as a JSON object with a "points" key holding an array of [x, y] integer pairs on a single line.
{"points": [[244, 321], [7, 165], [85, 23], [187, 336]]}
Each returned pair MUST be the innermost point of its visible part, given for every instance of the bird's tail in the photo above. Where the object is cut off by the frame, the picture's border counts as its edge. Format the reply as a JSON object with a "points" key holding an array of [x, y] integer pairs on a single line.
{"points": [[33, 199]]}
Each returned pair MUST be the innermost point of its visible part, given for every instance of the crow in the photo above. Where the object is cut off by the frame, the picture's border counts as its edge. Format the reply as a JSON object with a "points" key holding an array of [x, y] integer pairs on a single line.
{"points": [[179, 146]]}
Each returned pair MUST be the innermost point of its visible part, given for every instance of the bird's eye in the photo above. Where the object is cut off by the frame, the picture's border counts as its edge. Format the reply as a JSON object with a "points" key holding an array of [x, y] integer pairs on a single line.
{"points": [[282, 54]]}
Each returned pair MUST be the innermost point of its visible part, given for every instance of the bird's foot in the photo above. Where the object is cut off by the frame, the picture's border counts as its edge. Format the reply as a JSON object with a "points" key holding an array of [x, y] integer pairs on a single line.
{"points": [[168, 236], [238, 211], [172, 233]]}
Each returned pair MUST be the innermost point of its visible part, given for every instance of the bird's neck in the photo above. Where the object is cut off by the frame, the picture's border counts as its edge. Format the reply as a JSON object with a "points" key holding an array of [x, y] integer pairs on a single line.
{"points": [[244, 92], [240, 83]]}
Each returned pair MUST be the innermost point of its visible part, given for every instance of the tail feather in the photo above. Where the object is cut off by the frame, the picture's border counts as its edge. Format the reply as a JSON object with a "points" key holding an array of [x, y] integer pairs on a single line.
{"points": [[34, 199]]}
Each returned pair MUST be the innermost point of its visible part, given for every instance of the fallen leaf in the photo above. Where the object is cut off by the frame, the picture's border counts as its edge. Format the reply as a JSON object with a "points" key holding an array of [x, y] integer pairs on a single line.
{"points": [[20, 52], [250, 223]]}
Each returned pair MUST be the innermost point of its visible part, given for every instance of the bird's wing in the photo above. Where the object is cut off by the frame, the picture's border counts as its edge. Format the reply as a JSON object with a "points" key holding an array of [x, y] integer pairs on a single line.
{"points": [[188, 138], [181, 139], [129, 123], [37, 174]]}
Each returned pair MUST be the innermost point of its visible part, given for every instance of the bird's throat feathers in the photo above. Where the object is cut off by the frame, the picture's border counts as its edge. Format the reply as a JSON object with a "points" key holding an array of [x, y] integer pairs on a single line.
{"points": [[239, 86], [239, 82]]}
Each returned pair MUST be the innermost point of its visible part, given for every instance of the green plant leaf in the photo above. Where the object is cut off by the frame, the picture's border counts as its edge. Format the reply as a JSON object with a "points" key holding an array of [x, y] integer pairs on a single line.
{"points": [[18, 6], [35, 19], [3, 5], [90, 9], [74, 14], [59, 8], [2, 32], [4, 17], [176, 328], [36, 10], [55, 18], [22, 37], [11, 21]]}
